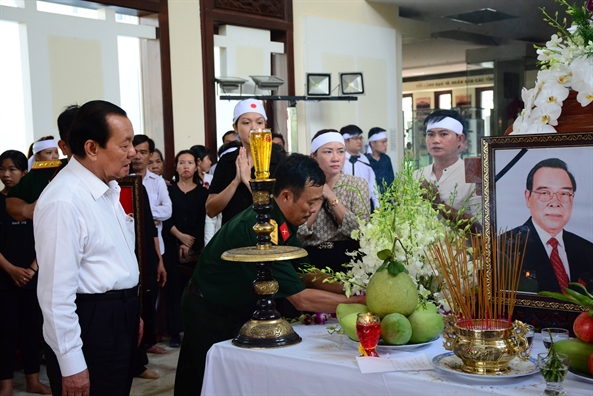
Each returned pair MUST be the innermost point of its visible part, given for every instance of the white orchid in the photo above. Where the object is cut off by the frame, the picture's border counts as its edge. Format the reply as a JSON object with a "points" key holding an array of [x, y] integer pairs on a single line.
{"points": [[585, 95], [551, 93], [405, 224], [567, 62]]}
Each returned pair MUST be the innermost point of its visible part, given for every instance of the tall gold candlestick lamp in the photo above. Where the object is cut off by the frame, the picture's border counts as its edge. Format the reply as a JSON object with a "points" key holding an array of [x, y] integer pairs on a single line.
{"points": [[266, 328]]}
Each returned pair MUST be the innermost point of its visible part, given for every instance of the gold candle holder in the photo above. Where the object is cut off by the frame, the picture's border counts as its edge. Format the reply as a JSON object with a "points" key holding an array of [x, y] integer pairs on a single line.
{"points": [[261, 152], [266, 328]]}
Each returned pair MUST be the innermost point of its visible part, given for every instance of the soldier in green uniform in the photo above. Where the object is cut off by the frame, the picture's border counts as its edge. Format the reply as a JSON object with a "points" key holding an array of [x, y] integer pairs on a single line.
{"points": [[220, 296], [21, 199]]}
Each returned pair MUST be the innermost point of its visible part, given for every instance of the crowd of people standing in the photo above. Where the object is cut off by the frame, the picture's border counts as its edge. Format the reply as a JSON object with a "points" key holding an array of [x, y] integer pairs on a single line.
{"points": [[81, 228]]}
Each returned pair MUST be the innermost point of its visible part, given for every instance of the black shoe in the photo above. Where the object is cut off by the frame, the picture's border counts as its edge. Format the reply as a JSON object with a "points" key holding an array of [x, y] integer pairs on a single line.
{"points": [[175, 341]]}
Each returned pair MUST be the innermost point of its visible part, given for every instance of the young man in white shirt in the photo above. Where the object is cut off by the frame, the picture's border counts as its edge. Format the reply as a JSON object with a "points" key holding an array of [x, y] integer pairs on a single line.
{"points": [[445, 177], [356, 163], [162, 209]]}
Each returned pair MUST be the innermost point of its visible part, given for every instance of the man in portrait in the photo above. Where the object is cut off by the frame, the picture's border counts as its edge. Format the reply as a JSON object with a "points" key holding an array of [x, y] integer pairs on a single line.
{"points": [[553, 256]]}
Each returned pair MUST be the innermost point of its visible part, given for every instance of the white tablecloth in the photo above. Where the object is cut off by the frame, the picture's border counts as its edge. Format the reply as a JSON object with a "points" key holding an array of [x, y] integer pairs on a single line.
{"points": [[325, 364]]}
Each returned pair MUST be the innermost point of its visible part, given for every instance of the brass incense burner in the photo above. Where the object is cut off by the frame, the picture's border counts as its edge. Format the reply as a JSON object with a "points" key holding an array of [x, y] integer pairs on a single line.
{"points": [[486, 346], [266, 328]]}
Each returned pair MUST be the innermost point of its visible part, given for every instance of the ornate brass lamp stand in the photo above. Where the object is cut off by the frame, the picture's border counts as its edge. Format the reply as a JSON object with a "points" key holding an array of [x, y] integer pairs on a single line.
{"points": [[266, 328]]}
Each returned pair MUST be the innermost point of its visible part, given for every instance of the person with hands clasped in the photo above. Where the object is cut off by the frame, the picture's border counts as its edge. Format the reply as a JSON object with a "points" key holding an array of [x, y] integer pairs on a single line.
{"points": [[19, 310], [184, 235], [230, 192], [326, 234]]}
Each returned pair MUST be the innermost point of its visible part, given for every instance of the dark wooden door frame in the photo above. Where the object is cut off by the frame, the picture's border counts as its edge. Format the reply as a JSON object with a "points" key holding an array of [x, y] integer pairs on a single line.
{"points": [[275, 15]]}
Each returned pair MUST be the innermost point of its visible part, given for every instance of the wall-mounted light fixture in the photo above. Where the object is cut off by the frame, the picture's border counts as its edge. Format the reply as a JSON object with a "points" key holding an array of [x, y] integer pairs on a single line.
{"points": [[230, 83], [267, 83], [351, 84], [319, 84]]}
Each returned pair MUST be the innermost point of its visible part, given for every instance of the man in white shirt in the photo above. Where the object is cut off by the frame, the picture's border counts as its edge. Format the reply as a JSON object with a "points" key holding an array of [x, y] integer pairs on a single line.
{"points": [[446, 176], [356, 163], [162, 209], [88, 272], [160, 203]]}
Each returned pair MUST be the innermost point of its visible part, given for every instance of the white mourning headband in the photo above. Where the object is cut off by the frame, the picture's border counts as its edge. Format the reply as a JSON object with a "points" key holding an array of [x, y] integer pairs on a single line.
{"points": [[44, 145], [229, 150], [378, 136], [447, 123], [40, 146], [349, 136], [325, 139]]}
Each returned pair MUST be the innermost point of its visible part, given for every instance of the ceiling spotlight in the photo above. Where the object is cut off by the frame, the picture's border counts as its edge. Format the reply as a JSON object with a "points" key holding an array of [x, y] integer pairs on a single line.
{"points": [[267, 83], [351, 84], [319, 84], [230, 83]]}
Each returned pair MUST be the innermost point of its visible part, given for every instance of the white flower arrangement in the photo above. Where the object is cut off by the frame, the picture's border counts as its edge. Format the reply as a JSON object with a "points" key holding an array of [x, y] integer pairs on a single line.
{"points": [[567, 62], [399, 231]]}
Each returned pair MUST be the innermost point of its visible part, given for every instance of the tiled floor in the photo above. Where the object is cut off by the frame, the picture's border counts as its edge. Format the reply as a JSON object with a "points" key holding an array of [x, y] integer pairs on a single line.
{"points": [[165, 365]]}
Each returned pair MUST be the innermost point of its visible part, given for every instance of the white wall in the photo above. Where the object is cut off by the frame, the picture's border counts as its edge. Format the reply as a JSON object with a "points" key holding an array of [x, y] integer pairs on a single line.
{"points": [[186, 73], [339, 36]]}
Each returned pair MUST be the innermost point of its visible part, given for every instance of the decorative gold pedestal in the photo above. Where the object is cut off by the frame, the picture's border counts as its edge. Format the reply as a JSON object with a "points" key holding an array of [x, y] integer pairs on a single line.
{"points": [[266, 328], [486, 347]]}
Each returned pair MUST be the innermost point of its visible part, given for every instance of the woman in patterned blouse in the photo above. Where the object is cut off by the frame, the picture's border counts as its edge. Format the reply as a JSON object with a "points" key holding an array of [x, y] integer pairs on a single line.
{"points": [[327, 234]]}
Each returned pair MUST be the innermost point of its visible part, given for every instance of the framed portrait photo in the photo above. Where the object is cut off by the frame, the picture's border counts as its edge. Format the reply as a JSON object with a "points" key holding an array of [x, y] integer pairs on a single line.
{"points": [[538, 192]]}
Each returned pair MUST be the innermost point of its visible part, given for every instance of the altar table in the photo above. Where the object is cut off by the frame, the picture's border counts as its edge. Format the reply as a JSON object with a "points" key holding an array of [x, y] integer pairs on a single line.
{"points": [[325, 364]]}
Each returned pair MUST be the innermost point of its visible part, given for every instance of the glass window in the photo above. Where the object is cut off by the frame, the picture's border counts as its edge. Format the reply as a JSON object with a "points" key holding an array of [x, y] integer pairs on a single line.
{"points": [[12, 91], [12, 3], [444, 101], [487, 101], [130, 80], [130, 19], [67, 10]]}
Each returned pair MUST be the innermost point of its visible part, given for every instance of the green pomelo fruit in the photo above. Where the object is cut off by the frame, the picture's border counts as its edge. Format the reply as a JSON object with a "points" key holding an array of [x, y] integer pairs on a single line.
{"points": [[578, 353], [387, 293], [425, 326], [343, 310], [348, 324], [428, 307], [396, 329]]}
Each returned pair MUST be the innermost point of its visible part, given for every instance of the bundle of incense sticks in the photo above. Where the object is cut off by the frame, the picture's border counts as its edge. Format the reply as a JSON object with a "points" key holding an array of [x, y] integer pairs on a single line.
{"points": [[479, 290]]}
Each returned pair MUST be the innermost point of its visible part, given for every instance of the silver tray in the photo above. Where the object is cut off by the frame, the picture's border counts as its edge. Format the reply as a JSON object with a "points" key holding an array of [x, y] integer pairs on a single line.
{"points": [[450, 363]]}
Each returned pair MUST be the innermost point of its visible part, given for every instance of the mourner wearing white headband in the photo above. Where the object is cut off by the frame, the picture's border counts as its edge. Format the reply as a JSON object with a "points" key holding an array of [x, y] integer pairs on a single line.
{"points": [[45, 149], [446, 176], [229, 192], [326, 234], [356, 163], [378, 159]]}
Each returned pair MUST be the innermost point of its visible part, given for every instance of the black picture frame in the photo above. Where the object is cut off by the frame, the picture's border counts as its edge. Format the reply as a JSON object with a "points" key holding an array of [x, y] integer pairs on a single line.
{"points": [[506, 161]]}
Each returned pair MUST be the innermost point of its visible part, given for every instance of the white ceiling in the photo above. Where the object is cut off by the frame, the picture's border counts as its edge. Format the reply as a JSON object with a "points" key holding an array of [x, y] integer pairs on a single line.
{"points": [[445, 50]]}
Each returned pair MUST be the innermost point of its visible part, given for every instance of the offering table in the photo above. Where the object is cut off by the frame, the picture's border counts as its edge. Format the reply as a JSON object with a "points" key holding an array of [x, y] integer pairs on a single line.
{"points": [[325, 364]]}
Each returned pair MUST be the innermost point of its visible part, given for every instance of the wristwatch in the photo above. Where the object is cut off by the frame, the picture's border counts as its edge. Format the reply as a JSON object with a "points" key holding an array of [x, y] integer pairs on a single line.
{"points": [[334, 203]]}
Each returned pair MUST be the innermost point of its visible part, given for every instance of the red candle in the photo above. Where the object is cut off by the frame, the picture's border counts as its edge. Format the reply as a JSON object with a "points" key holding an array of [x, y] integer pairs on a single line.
{"points": [[368, 329]]}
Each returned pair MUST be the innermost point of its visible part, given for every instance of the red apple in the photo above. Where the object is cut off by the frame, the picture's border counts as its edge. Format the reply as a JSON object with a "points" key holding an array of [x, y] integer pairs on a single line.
{"points": [[583, 327], [591, 363]]}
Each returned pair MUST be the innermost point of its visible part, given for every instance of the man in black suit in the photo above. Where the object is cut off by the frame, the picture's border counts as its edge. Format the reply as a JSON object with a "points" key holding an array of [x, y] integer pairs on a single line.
{"points": [[553, 256]]}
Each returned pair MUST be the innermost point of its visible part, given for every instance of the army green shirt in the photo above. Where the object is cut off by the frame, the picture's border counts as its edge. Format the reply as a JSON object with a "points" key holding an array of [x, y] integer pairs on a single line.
{"points": [[228, 284], [33, 183]]}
